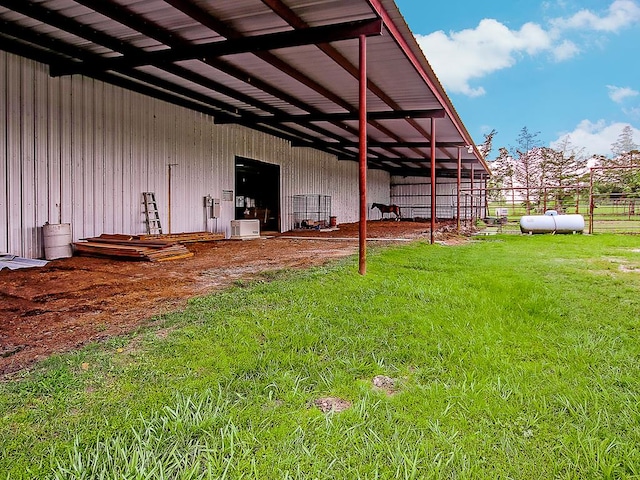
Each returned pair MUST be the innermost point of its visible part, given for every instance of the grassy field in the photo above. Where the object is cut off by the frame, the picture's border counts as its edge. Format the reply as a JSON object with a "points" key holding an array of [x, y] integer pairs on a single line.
{"points": [[510, 357]]}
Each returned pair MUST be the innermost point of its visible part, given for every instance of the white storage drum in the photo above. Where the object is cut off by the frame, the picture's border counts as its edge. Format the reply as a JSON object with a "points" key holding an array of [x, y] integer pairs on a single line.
{"points": [[57, 240]]}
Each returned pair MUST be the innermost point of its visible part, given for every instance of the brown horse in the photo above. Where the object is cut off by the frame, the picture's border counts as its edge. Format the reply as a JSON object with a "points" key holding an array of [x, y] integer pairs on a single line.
{"points": [[388, 209]]}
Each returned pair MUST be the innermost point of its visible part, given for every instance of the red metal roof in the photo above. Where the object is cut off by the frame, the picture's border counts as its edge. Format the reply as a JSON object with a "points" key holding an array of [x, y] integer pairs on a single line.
{"points": [[277, 77]]}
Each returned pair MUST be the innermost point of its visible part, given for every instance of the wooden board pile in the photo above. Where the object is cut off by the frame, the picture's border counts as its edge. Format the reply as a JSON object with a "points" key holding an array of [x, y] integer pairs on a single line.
{"points": [[185, 237], [131, 247]]}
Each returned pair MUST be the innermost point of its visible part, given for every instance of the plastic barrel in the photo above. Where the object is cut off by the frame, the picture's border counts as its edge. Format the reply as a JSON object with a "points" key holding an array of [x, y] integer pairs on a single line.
{"points": [[57, 240]]}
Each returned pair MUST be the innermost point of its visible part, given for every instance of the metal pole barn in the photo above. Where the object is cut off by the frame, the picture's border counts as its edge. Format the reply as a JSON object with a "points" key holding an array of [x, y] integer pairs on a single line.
{"points": [[362, 254]]}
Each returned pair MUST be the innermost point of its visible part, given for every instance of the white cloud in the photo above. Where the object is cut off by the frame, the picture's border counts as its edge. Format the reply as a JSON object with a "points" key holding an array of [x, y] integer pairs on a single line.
{"points": [[489, 47], [459, 58], [633, 112], [619, 94], [621, 14], [565, 51], [595, 137]]}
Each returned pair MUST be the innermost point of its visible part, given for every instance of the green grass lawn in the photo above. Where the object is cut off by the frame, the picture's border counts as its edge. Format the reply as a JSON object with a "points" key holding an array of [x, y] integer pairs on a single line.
{"points": [[512, 356]]}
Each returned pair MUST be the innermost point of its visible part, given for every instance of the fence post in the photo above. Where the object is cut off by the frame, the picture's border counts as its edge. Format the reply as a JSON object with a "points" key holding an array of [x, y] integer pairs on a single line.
{"points": [[591, 205]]}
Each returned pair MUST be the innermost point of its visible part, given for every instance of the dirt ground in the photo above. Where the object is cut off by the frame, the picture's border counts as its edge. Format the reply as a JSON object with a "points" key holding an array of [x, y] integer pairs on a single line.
{"points": [[72, 301]]}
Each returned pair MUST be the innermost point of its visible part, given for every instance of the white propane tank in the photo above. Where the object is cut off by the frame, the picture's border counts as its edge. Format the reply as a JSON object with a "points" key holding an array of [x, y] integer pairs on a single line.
{"points": [[552, 224]]}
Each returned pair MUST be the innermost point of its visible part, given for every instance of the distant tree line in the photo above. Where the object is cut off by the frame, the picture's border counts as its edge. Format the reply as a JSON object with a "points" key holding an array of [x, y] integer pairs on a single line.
{"points": [[537, 175]]}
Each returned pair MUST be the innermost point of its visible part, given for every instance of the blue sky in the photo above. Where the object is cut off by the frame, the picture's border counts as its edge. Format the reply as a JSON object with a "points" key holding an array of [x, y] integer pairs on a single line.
{"points": [[558, 67]]}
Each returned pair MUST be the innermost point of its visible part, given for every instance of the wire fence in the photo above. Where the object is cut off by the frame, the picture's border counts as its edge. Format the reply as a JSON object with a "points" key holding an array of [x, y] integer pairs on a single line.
{"points": [[612, 213]]}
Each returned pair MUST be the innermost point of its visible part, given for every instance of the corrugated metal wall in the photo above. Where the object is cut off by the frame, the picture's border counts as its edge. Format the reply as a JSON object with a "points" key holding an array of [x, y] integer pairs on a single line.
{"points": [[78, 151], [413, 196]]}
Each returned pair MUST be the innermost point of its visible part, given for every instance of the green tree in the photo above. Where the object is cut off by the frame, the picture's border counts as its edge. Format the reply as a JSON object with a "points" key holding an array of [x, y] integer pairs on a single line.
{"points": [[528, 165], [565, 166], [486, 146], [619, 176], [501, 175], [625, 143]]}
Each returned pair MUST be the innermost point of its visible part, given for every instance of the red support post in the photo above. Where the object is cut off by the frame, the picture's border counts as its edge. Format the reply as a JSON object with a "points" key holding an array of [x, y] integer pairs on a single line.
{"points": [[591, 203], [433, 180], [473, 174], [362, 254], [459, 184]]}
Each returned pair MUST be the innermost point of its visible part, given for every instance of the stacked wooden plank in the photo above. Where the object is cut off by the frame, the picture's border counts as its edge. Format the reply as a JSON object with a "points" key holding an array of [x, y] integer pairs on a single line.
{"points": [[131, 247], [186, 237]]}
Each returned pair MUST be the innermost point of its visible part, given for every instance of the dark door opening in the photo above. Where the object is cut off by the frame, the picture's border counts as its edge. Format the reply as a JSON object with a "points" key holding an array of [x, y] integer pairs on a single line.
{"points": [[258, 193]]}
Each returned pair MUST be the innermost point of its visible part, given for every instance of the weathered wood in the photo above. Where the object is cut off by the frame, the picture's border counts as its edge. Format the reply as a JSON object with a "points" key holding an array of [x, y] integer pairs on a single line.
{"points": [[131, 249]]}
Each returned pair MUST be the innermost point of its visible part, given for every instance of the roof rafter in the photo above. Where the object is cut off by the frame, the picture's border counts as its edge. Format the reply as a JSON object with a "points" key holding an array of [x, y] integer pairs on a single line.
{"points": [[405, 159], [375, 144], [294, 20], [129, 18], [349, 116], [146, 84], [227, 31], [257, 43], [297, 94], [226, 113]]}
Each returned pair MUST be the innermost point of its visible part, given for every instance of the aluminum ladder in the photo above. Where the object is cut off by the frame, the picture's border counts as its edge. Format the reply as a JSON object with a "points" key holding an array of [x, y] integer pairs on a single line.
{"points": [[152, 218]]}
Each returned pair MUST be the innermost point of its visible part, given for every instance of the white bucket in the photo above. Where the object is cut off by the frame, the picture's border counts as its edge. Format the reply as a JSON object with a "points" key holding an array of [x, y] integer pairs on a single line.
{"points": [[57, 240]]}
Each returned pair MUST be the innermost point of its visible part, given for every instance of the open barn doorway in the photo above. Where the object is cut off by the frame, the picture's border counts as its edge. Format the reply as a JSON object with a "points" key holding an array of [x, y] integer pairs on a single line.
{"points": [[258, 193]]}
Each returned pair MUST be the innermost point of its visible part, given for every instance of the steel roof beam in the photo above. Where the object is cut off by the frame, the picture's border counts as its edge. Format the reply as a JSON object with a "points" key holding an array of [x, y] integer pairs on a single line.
{"points": [[257, 43], [426, 172], [409, 160], [289, 16], [227, 113], [50, 17], [402, 144], [227, 31], [433, 84], [374, 144], [39, 55], [132, 20], [56, 19], [352, 116], [38, 44]]}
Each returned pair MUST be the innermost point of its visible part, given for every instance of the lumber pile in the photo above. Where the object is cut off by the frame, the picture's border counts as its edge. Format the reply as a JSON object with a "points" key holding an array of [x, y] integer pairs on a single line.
{"points": [[185, 237], [131, 247]]}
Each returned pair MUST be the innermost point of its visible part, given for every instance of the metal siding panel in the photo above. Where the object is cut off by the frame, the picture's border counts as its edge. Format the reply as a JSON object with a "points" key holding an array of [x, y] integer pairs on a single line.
{"points": [[198, 176], [105, 146], [110, 159], [66, 153], [15, 227], [98, 184], [414, 194], [182, 174], [86, 130], [130, 190], [53, 129], [140, 157], [76, 179], [41, 155], [4, 174], [27, 161]]}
